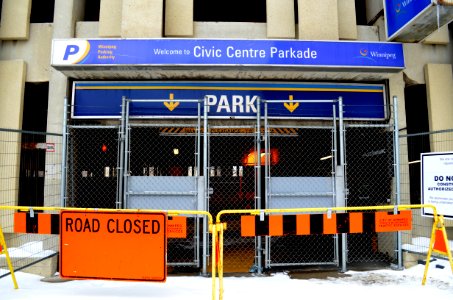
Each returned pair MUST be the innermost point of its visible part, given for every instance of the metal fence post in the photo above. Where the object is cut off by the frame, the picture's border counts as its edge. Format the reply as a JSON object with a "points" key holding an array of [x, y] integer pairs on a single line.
{"points": [[64, 154], [258, 177], [344, 249], [397, 176], [206, 183], [121, 154]]}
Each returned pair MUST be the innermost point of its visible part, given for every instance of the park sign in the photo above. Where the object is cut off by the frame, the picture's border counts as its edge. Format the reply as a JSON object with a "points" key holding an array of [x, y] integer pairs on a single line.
{"points": [[437, 183], [227, 99]]}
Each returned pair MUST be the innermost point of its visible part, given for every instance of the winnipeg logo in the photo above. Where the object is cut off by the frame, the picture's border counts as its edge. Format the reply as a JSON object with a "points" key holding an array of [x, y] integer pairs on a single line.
{"points": [[365, 54], [400, 6]]}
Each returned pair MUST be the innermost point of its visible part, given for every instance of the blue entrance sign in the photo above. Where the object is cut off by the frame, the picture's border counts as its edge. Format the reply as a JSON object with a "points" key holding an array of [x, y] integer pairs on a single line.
{"points": [[75, 53], [399, 13], [227, 99]]}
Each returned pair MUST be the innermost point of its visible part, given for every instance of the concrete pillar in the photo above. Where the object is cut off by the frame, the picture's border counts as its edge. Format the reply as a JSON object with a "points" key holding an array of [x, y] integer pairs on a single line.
{"points": [[318, 20], [12, 86], [439, 87], [347, 26], [110, 18], [179, 18], [280, 19], [15, 20], [438, 37], [142, 19], [35, 52], [67, 13]]}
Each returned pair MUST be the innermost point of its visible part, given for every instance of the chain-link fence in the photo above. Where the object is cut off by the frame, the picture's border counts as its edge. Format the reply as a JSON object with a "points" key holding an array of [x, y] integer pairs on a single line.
{"points": [[416, 242], [369, 181], [92, 166], [160, 166], [30, 175], [232, 186], [303, 176]]}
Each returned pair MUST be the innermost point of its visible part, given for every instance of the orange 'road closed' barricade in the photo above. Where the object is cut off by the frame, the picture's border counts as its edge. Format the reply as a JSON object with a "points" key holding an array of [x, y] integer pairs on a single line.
{"points": [[87, 221]]}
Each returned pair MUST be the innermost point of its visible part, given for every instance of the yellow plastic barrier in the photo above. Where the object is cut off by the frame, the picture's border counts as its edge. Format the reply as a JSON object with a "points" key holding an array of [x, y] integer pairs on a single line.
{"points": [[4, 250], [438, 225]]}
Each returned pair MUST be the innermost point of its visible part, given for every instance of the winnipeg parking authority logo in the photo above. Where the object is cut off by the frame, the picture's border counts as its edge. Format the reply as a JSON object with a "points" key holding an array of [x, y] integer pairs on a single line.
{"points": [[70, 52]]}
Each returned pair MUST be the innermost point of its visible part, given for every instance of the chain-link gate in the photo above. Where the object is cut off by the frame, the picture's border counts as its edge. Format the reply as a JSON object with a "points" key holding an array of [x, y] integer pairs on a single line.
{"points": [[251, 164], [303, 175], [232, 185], [370, 182], [161, 164]]}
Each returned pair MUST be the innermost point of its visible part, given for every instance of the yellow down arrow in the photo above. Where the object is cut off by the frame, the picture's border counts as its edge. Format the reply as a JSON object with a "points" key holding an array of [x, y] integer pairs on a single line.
{"points": [[291, 106], [171, 105]]}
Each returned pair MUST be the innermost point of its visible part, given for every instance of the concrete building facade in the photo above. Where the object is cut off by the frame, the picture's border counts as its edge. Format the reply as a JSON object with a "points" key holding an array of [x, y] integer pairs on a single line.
{"points": [[29, 27]]}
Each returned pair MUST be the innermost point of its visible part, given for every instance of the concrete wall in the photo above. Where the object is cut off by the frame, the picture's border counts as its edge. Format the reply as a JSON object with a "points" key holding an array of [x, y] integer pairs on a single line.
{"points": [[416, 55], [142, 19], [110, 18], [12, 84], [280, 19], [347, 25], [318, 20], [15, 20], [439, 86], [178, 18], [35, 52]]}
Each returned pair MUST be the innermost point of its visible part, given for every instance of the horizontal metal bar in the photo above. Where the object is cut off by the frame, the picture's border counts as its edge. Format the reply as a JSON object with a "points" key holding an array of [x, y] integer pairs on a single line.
{"points": [[163, 125], [368, 125], [93, 126], [301, 264], [181, 264], [426, 133], [301, 194], [29, 132], [301, 127], [300, 101], [161, 193], [166, 100]]}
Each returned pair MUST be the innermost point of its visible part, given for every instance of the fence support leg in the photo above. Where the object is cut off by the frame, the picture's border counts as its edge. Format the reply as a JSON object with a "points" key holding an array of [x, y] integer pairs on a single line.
{"points": [[4, 250]]}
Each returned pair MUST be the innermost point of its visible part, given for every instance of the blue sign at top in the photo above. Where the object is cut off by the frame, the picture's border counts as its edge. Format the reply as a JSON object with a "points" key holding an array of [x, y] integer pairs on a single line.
{"points": [[230, 100], [219, 52], [399, 13]]}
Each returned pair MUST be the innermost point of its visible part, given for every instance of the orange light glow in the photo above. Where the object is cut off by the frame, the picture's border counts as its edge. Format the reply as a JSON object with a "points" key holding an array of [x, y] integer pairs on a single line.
{"points": [[250, 158]]}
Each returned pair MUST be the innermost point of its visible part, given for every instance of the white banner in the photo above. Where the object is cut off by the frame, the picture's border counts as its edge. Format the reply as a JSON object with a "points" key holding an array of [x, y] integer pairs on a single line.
{"points": [[437, 182]]}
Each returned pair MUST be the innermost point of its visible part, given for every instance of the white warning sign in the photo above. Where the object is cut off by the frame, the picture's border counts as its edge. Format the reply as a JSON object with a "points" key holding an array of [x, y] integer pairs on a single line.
{"points": [[437, 182]]}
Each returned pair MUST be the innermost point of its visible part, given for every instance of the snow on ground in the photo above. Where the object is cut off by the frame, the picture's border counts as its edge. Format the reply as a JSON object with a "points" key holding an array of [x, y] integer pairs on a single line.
{"points": [[376, 284]]}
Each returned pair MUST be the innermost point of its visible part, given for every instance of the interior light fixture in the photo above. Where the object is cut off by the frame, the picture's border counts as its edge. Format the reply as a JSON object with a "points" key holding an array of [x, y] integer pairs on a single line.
{"points": [[414, 162], [175, 151], [326, 157]]}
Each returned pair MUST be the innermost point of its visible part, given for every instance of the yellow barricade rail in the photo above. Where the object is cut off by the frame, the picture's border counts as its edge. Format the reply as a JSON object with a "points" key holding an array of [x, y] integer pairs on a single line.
{"points": [[219, 227]]}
